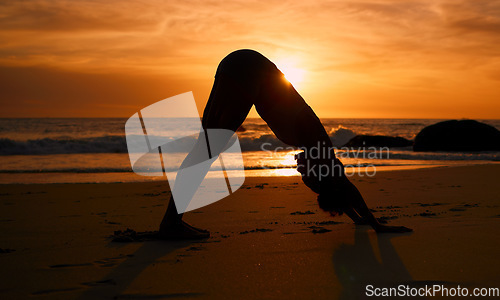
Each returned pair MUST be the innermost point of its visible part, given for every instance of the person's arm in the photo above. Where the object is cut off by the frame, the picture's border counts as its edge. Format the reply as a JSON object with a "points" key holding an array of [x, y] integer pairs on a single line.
{"points": [[357, 209]]}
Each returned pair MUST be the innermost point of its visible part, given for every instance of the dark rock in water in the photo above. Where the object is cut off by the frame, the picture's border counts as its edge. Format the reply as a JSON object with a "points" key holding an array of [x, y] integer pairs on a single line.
{"points": [[378, 141], [458, 136]]}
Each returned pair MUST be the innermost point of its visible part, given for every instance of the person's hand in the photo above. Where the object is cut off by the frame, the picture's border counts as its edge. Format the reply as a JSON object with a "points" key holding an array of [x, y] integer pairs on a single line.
{"points": [[392, 229]]}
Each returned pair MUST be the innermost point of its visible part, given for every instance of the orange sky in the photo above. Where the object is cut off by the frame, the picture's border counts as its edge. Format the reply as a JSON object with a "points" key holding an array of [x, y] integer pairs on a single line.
{"points": [[380, 59]]}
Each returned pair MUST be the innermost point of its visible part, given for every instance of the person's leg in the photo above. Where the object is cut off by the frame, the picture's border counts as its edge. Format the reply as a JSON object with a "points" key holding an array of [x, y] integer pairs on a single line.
{"points": [[228, 105]]}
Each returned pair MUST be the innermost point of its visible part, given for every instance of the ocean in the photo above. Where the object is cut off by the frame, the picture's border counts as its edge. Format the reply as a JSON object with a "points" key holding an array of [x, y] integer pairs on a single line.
{"points": [[82, 150]]}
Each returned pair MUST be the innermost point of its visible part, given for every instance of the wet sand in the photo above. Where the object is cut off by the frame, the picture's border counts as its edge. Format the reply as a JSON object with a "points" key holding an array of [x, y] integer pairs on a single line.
{"points": [[269, 239]]}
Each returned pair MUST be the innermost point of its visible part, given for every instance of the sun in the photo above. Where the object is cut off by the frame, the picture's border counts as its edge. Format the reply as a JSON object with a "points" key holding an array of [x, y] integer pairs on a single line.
{"points": [[294, 74]]}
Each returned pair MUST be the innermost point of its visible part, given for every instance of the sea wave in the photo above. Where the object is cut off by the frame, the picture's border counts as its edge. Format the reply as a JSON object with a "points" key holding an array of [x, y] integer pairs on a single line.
{"points": [[118, 144], [266, 142], [63, 145], [159, 172]]}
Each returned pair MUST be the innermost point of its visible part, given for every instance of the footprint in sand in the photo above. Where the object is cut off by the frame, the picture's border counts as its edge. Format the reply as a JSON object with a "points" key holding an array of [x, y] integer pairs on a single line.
{"points": [[51, 291], [318, 229], [112, 261], [100, 282], [426, 214], [194, 248], [130, 236], [457, 209], [303, 213], [256, 230], [70, 265], [111, 222]]}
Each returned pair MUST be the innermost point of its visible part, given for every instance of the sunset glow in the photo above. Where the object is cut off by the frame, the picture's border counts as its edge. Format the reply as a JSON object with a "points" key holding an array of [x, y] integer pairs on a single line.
{"points": [[348, 59], [292, 73]]}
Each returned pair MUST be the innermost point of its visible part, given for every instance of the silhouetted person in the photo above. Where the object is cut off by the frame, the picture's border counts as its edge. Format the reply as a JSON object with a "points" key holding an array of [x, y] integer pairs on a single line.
{"points": [[245, 78]]}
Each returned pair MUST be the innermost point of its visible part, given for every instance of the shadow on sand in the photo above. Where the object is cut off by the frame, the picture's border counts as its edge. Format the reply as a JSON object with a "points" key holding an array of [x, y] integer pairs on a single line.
{"points": [[119, 279], [357, 266]]}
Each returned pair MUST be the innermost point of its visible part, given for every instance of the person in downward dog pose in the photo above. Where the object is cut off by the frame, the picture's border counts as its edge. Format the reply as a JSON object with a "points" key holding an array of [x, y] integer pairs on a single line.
{"points": [[245, 78]]}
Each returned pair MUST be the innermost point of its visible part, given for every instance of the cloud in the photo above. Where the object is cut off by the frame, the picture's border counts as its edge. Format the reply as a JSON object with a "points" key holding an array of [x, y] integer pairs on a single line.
{"points": [[473, 17], [75, 16], [413, 45]]}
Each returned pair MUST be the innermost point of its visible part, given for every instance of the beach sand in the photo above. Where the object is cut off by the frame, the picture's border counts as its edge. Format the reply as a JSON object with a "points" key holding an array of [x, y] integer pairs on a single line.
{"points": [[269, 239]]}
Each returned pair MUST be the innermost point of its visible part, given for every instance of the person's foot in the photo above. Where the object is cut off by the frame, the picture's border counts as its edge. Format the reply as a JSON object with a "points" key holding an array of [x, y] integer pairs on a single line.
{"points": [[195, 228], [392, 229], [182, 231]]}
